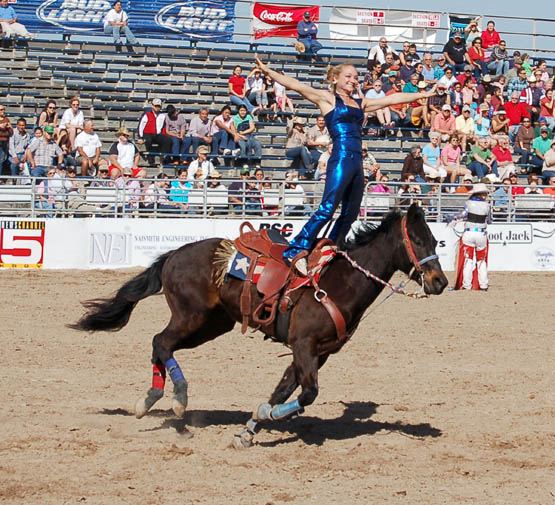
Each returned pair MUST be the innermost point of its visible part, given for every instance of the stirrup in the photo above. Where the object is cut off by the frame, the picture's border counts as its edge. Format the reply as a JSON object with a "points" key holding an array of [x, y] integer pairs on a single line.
{"points": [[301, 265], [298, 262]]}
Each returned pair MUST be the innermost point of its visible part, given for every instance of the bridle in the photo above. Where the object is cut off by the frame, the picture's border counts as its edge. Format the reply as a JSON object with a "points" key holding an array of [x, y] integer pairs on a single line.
{"points": [[417, 264]]}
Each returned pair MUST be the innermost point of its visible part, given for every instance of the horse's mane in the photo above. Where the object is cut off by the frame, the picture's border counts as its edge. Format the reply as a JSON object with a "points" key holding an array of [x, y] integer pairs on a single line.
{"points": [[367, 232]]}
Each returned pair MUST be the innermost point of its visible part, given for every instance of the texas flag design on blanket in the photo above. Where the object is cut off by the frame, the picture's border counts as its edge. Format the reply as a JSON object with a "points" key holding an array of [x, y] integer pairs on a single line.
{"points": [[239, 265]]}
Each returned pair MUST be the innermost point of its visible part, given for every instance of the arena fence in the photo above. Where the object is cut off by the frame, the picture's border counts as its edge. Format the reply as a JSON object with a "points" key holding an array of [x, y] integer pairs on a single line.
{"points": [[279, 200], [122, 243]]}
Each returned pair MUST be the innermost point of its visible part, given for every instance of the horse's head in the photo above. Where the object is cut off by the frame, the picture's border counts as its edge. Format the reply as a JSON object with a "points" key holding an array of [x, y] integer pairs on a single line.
{"points": [[420, 252]]}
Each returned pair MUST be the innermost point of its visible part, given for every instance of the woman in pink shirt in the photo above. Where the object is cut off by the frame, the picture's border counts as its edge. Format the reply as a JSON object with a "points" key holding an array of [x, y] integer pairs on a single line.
{"points": [[382, 187], [451, 159], [469, 93]]}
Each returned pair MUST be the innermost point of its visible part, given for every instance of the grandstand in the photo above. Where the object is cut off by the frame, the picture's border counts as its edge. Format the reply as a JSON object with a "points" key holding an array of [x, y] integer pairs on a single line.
{"points": [[115, 89]]}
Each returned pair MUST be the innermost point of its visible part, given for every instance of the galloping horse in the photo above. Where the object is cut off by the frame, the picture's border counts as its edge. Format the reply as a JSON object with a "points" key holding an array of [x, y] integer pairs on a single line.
{"points": [[203, 308]]}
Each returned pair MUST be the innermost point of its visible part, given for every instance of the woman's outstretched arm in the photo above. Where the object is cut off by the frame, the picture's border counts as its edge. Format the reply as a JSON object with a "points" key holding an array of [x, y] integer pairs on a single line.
{"points": [[372, 104], [320, 97]]}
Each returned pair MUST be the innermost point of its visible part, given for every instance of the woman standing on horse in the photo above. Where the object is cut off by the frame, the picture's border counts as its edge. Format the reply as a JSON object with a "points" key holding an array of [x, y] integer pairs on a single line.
{"points": [[344, 115]]}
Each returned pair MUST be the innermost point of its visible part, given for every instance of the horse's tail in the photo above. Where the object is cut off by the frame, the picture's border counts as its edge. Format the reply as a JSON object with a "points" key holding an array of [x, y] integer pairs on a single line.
{"points": [[112, 314]]}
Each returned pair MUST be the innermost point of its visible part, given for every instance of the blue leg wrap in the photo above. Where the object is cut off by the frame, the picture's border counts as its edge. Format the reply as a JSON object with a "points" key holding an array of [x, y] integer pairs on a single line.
{"points": [[174, 370], [284, 409]]}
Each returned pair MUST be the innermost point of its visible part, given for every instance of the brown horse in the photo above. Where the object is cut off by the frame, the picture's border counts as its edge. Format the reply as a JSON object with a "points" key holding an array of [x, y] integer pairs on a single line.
{"points": [[203, 307]]}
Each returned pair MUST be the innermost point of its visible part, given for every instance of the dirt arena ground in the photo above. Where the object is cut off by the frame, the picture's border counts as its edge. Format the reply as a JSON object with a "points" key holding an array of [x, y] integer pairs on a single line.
{"points": [[441, 401]]}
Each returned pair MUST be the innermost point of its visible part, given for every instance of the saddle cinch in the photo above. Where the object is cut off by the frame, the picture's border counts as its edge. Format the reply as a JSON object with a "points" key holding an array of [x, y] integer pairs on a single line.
{"points": [[266, 247]]}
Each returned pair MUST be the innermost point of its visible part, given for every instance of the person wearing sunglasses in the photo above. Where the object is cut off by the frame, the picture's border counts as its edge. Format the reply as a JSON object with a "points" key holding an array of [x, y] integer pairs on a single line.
{"points": [[477, 56], [499, 59], [49, 116], [523, 141], [72, 121]]}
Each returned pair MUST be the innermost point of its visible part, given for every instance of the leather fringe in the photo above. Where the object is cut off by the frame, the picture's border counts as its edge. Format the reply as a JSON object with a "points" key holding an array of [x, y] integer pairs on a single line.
{"points": [[222, 255]]}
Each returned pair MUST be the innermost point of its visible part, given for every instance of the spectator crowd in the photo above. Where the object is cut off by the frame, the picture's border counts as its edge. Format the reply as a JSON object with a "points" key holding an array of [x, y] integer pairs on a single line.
{"points": [[491, 117]]}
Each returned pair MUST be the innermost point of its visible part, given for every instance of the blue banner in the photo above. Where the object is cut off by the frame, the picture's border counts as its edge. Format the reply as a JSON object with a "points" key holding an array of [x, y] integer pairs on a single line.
{"points": [[458, 24], [211, 20]]}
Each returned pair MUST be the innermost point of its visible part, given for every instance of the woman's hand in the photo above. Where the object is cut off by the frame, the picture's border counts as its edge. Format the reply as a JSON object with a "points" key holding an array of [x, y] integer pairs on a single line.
{"points": [[263, 67], [432, 92]]}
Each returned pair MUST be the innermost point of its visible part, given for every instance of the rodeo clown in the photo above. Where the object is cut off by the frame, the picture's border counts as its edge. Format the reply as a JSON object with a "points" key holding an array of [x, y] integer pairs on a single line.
{"points": [[474, 240]]}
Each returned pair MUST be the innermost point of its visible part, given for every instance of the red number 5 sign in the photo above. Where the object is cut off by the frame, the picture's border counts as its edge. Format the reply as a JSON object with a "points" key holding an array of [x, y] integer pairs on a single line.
{"points": [[21, 244]]}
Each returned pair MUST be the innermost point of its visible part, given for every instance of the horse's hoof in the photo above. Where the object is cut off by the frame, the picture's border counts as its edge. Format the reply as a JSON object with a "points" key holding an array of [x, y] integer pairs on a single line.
{"points": [[145, 404], [243, 439], [263, 412], [178, 408], [180, 398], [140, 408]]}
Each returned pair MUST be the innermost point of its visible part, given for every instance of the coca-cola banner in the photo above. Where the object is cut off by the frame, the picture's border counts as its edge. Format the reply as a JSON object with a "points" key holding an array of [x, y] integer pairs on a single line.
{"points": [[366, 24], [279, 20]]}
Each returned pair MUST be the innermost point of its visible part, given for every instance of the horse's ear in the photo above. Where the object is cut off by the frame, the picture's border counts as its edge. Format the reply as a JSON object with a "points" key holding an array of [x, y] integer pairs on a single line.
{"points": [[415, 213]]}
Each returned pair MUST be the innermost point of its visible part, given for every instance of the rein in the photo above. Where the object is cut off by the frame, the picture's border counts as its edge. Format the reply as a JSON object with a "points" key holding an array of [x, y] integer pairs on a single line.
{"points": [[417, 265], [396, 289]]}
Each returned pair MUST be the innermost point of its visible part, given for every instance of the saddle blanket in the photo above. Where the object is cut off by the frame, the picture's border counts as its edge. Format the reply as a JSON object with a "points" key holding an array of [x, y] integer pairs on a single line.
{"points": [[238, 267], [239, 264]]}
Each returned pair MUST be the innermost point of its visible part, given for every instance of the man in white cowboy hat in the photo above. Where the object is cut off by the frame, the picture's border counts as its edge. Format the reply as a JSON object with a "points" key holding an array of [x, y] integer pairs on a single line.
{"points": [[123, 154], [473, 249]]}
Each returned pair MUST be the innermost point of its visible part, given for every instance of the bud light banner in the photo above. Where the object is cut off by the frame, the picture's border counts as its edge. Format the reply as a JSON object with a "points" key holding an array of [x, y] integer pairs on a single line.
{"points": [[279, 20], [191, 20]]}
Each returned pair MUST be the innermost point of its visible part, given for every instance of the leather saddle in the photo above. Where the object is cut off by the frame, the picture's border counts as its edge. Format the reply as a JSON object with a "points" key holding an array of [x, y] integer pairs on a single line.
{"points": [[266, 247]]}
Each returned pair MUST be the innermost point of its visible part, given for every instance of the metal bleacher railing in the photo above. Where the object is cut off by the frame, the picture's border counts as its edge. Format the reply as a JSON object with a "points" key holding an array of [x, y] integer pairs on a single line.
{"points": [[278, 202]]}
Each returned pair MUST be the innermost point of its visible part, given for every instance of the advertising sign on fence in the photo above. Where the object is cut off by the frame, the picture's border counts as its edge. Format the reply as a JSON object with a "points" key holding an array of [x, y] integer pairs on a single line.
{"points": [[124, 243], [368, 25], [186, 19], [270, 20], [21, 244]]}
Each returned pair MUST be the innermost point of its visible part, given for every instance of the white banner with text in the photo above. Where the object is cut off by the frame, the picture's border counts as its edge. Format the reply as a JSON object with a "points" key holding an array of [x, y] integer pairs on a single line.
{"points": [[124, 243], [372, 24]]}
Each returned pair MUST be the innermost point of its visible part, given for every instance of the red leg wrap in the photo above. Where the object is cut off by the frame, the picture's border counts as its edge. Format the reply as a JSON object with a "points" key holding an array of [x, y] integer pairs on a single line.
{"points": [[158, 377]]}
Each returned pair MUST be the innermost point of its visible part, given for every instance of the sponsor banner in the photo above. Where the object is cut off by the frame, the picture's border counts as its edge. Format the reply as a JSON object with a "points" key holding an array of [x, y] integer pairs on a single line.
{"points": [[21, 244], [397, 26], [270, 20], [459, 23], [513, 246], [189, 19], [124, 243]]}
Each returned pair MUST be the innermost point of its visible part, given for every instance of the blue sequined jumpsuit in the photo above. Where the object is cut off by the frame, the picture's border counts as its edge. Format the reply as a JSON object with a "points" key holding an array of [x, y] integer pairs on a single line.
{"points": [[344, 179]]}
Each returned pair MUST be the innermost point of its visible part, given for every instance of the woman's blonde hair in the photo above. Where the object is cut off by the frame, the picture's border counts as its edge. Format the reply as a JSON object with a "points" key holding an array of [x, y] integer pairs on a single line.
{"points": [[334, 72]]}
